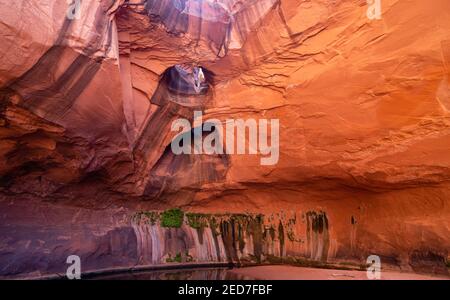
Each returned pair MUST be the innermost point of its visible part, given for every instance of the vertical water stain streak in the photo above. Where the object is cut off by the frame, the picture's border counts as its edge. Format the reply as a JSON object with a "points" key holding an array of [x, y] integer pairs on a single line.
{"points": [[317, 235], [50, 93]]}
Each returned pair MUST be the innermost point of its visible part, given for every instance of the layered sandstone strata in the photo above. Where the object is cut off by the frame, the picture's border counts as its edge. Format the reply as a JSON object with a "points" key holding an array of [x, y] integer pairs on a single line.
{"points": [[363, 108]]}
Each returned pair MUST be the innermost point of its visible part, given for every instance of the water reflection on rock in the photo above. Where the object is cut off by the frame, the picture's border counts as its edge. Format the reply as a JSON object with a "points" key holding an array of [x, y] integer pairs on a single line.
{"points": [[180, 274]]}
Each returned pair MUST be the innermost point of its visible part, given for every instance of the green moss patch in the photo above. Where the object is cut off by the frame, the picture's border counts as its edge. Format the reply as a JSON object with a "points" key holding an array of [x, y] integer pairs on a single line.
{"points": [[177, 258], [172, 218]]}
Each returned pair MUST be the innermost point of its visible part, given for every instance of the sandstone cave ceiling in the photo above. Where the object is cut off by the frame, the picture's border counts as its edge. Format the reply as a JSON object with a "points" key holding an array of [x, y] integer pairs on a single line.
{"points": [[252, 54], [87, 106]]}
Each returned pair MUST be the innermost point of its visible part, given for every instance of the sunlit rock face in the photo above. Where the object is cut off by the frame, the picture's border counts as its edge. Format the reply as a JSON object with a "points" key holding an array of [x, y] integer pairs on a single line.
{"points": [[222, 24], [87, 106]]}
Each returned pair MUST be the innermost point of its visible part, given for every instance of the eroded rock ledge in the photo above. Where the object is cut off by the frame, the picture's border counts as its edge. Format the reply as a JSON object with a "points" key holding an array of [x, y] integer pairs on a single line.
{"points": [[363, 105], [117, 238]]}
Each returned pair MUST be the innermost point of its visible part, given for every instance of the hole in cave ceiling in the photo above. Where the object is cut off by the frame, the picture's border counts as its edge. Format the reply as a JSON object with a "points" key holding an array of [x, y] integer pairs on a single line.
{"points": [[187, 79], [209, 10]]}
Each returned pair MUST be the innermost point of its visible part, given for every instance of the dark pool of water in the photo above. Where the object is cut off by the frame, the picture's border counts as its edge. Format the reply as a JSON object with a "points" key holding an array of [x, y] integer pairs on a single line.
{"points": [[181, 274]]}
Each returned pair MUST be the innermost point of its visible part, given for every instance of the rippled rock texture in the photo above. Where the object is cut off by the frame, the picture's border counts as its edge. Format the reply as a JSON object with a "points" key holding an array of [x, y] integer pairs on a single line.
{"points": [[87, 106]]}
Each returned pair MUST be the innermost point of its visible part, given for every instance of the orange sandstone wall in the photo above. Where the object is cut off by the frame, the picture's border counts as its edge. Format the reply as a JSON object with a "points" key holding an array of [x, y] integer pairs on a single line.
{"points": [[363, 107]]}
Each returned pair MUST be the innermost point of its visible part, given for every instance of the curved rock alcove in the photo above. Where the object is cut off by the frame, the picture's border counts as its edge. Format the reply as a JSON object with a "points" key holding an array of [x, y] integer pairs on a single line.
{"points": [[87, 104]]}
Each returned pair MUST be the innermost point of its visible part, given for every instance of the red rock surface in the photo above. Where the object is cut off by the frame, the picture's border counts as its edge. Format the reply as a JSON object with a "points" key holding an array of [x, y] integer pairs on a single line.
{"points": [[363, 108]]}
